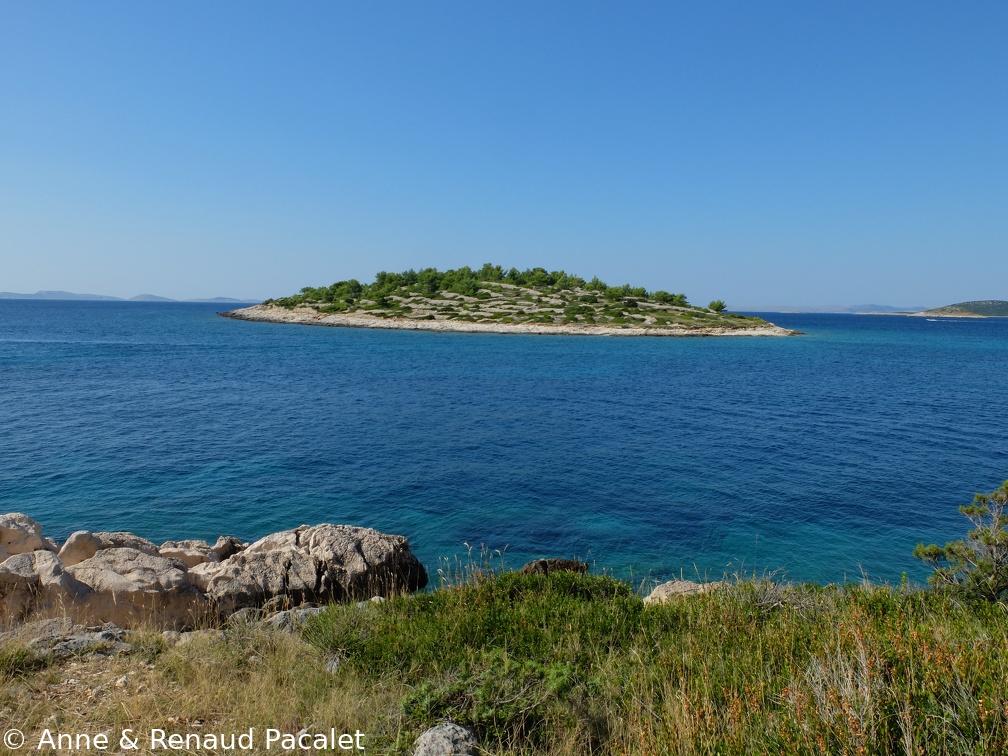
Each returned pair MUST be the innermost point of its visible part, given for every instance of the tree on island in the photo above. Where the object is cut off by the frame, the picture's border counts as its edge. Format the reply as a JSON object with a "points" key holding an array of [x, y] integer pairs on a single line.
{"points": [[717, 306], [343, 295], [978, 564]]}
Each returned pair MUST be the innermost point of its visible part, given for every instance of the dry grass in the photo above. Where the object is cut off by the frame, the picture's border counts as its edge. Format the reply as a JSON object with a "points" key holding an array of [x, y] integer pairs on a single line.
{"points": [[250, 678], [566, 665]]}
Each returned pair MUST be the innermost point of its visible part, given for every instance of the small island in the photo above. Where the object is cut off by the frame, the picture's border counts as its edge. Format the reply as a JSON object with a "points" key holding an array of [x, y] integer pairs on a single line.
{"points": [[494, 300], [985, 308]]}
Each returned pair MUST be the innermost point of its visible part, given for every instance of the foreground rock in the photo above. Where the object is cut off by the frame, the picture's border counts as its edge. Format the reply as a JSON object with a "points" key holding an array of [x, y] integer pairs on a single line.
{"points": [[120, 578], [194, 553], [448, 739], [20, 534], [672, 588], [320, 564], [36, 583], [62, 639], [131, 587], [83, 545]]}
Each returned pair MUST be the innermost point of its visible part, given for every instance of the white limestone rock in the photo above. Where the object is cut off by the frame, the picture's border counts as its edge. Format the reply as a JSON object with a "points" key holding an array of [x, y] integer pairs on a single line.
{"points": [[191, 553], [195, 553], [83, 544], [134, 588], [448, 739], [20, 534], [35, 583], [319, 564], [666, 591]]}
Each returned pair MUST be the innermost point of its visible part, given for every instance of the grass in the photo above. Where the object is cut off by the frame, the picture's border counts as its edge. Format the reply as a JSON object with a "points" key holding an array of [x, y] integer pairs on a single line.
{"points": [[568, 664], [17, 661]]}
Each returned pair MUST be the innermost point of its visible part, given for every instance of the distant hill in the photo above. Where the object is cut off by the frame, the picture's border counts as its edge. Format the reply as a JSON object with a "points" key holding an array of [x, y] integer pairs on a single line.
{"points": [[833, 309], [226, 300], [59, 295], [983, 308], [69, 296], [881, 308]]}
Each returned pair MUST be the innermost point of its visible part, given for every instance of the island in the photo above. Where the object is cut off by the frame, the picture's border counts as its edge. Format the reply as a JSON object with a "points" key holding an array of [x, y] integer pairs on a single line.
{"points": [[494, 300], [984, 308]]}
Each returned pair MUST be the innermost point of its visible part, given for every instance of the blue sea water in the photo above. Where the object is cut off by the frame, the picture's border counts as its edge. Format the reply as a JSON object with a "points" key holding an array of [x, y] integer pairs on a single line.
{"points": [[824, 457]]}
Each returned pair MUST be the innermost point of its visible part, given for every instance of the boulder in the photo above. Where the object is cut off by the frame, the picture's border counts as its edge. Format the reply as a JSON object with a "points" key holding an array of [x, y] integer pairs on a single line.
{"points": [[546, 566], [190, 553], [82, 642], [202, 573], [194, 553], [227, 546], [665, 591], [132, 587], [20, 534], [125, 579], [32, 629], [292, 620], [83, 545], [36, 583], [319, 564], [448, 739]]}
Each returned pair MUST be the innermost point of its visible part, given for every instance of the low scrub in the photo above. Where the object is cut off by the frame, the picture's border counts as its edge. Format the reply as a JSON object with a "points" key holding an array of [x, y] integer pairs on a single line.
{"points": [[577, 664], [574, 664]]}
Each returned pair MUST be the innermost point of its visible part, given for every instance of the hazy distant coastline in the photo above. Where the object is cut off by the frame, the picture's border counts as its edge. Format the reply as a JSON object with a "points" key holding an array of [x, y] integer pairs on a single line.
{"points": [[70, 296], [982, 308], [864, 309]]}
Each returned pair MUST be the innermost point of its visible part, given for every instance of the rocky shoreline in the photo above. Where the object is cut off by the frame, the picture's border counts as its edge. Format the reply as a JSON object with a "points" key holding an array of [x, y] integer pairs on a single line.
{"points": [[117, 580], [120, 579], [305, 315], [100, 604]]}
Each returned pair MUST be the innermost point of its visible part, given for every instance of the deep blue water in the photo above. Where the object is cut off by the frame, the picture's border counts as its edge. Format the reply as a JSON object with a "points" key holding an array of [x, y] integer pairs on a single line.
{"points": [[822, 456]]}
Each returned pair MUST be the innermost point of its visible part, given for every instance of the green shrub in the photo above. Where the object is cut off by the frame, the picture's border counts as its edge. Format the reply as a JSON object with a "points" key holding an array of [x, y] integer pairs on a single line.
{"points": [[978, 564], [663, 297]]}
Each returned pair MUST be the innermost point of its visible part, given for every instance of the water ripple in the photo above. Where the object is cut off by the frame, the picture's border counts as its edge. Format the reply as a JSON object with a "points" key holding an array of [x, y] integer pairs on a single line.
{"points": [[821, 456]]}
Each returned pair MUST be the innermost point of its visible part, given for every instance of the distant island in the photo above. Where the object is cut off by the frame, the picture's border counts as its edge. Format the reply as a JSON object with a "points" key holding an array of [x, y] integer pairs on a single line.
{"points": [[494, 300], [69, 296], [984, 308], [861, 309]]}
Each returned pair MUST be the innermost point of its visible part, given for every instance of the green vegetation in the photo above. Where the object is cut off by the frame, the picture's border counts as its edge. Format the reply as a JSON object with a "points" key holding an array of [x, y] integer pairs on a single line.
{"points": [[493, 294], [465, 281], [17, 661], [577, 664], [977, 566], [717, 305], [566, 665], [985, 307]]}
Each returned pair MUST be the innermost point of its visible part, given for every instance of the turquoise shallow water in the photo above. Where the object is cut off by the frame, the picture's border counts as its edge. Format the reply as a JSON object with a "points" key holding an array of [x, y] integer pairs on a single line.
{"points": [[821, 456]]}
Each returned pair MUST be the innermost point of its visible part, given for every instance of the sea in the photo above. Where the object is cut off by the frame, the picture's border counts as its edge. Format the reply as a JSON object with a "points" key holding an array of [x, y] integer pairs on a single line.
{"points": [[822, 457]]}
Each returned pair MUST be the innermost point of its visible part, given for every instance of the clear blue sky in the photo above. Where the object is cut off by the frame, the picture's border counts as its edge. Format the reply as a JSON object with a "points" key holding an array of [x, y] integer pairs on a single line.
{"points": [[763, 153]]}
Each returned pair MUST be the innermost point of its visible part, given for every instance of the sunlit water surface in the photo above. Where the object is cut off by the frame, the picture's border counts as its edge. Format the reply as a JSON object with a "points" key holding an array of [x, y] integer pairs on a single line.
{"points": [[825, 456]]}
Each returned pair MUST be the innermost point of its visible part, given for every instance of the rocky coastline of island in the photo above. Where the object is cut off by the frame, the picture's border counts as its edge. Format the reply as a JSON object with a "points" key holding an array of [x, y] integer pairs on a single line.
{"points": [[494, 300], [307, 315]]}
